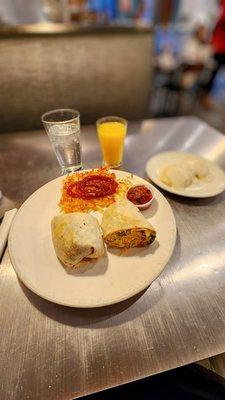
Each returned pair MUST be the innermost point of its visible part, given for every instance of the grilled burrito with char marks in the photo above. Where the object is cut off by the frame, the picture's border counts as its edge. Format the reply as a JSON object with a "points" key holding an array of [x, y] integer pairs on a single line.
{"points": [[76, 236], [124, 226]]}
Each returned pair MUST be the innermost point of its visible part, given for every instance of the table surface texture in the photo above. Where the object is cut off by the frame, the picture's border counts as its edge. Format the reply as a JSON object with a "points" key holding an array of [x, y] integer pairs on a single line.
{"points": [[53, 352]]}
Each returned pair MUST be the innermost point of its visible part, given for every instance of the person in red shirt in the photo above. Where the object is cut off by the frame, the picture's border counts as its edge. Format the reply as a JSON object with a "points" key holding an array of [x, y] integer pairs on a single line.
{"points": [[218, 44]]}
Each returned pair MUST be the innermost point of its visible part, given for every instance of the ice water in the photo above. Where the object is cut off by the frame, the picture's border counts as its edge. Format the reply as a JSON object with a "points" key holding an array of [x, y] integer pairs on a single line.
{"points": [[65, 139]]}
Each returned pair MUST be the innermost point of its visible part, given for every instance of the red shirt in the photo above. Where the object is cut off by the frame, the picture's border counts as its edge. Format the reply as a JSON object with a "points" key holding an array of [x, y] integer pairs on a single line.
{"points": [[218, 37]]}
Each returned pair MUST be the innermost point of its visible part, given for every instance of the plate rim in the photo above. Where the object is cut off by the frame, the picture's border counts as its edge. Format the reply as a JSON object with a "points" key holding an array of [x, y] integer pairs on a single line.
{"points": [[178, 192], [108, 303]]}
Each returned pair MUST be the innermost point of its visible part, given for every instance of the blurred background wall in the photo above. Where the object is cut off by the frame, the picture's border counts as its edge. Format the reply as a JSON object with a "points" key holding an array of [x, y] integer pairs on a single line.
{"points": [[186, 60]]}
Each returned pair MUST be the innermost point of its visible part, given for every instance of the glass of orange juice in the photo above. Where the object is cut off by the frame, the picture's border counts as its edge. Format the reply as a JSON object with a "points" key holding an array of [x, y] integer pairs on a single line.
{"points": [[111, 133]]}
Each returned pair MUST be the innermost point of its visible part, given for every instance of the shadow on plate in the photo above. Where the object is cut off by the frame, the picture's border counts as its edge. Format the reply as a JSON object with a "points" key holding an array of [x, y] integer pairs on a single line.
{"points": [[152, 210], [136, 252], [109, 316], [90, 267], [191, 201]]}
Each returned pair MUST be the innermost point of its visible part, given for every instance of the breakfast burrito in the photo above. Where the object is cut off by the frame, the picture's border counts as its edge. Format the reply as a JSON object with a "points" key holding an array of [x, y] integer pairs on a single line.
{"points": [[76, 236], [124, 226]]}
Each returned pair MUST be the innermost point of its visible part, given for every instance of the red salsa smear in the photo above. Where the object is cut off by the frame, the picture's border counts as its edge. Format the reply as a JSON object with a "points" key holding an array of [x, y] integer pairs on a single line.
{"points": [[93, 187], [139, 194]]}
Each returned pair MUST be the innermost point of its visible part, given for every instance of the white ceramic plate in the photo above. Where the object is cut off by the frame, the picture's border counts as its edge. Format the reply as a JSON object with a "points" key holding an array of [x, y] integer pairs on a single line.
{"points": [[200, 188], [111, 279]]}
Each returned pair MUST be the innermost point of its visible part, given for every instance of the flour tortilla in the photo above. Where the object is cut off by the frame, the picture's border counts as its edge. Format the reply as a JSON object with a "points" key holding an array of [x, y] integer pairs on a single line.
{"points": [[122, 221], [76, 236]]}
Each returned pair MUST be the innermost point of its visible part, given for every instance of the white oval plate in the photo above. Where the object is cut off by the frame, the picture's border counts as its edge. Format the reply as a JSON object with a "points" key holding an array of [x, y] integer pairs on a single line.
{"points": [[200, 189], [111, 279]]}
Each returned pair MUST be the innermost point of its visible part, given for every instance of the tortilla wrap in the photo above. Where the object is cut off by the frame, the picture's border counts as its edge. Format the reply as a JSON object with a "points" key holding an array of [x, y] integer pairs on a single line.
{"points": [[124, 226], [76, 236]]}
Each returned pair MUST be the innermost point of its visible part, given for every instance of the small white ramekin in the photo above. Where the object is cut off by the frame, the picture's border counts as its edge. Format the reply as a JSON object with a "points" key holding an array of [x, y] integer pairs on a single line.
{"points": [[145, 205]]}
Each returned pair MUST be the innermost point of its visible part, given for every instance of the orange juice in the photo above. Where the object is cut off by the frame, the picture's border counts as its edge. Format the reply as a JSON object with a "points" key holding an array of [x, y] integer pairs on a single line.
{"points": [[111, 136]]}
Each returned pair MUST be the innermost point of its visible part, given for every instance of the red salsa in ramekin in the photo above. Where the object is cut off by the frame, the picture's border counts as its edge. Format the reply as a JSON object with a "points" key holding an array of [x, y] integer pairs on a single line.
{"points": [[140, 195]]}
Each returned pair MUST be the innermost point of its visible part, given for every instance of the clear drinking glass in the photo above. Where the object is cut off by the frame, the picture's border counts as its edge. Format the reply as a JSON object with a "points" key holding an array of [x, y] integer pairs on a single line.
{"points": [[63, 129], [111, 134]]}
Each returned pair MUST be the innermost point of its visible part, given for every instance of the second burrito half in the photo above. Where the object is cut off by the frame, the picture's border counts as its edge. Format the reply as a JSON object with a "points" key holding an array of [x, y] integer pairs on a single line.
{"points": [[124, 226]]}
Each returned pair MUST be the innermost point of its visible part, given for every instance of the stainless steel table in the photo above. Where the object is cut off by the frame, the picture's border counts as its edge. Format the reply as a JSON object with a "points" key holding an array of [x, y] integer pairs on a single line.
{"points": [[53, 352]]}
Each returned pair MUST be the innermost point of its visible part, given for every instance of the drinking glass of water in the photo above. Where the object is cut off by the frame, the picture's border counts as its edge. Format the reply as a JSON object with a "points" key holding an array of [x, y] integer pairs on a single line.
{"points": [[63, 129]]}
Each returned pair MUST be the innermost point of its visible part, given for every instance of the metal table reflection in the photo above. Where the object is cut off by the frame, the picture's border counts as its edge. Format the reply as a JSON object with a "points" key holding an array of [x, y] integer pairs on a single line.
{"points": [[54, 352]]}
